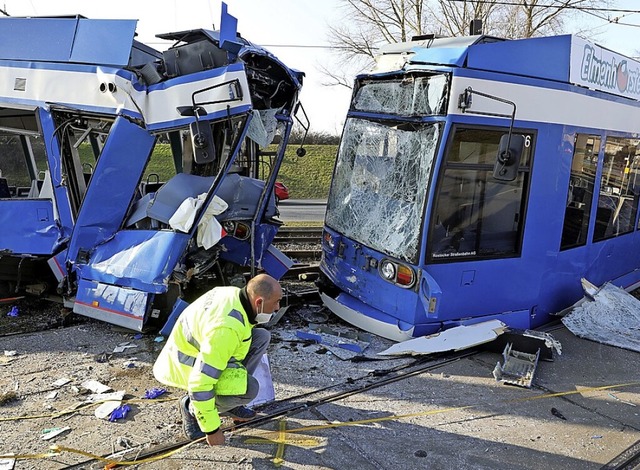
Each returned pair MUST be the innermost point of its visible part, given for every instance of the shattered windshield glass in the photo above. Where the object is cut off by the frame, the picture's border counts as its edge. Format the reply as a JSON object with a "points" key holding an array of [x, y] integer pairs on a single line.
{"points": [[380, 184], [408, 96]]}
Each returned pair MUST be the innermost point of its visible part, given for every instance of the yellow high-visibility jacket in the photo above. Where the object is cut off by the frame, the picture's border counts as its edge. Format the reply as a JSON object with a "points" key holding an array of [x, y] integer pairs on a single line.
{"points": [[204, 350]]}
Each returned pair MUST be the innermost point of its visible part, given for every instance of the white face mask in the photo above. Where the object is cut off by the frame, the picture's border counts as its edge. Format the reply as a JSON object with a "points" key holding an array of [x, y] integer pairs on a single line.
{"points": [[262, 318]]}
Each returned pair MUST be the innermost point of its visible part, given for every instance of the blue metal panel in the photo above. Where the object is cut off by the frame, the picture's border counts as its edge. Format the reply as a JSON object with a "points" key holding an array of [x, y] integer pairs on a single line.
{"points": [[440, 55], [114, 182], [67, 40], [113, 304], [28, 226], [178, 308], [52, 149], [141, 259], [103, 42], [547, 58]]}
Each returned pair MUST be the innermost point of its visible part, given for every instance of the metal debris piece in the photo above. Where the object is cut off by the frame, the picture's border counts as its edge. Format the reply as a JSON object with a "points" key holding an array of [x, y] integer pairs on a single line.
{"points": [[453, 339], [518, 367], [612, 317], [557, 414]]}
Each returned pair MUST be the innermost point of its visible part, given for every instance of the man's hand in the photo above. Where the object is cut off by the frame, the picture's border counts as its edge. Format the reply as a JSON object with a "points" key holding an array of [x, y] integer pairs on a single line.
{"points": [[216, 439]]}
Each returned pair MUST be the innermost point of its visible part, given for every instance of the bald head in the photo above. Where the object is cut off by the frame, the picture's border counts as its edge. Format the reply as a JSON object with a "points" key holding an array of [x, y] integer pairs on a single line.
{"points": [[264, 293]]}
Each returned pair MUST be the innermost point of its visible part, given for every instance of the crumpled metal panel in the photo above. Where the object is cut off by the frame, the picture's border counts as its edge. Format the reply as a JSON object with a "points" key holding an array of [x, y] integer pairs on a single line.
{"points": [[142, 259], [29, 227], [610, 316], [380, 185]]}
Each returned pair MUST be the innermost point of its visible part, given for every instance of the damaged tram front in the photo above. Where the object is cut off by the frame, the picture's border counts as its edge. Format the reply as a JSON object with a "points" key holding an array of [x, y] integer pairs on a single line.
{"points": [[128, 175], [479, 178]]}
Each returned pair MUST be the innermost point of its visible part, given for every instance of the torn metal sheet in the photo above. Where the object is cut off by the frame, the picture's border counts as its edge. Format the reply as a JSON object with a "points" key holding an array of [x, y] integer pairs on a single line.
{"points": [[528, 341], [609, 316], [518, 367], [453, 339], [342, 347]]}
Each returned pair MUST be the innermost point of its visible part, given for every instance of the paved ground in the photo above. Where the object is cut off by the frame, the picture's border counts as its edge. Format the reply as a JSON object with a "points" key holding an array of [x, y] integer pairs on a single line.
{"points": [[454, 416]]}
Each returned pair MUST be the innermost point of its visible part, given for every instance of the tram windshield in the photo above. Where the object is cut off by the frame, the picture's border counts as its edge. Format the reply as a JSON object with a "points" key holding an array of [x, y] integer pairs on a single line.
{"points": [[380, 183], [409, 95]]}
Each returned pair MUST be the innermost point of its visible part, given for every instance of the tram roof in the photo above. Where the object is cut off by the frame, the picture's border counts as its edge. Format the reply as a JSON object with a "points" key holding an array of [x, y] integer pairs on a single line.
{"points": [[564, 58]]}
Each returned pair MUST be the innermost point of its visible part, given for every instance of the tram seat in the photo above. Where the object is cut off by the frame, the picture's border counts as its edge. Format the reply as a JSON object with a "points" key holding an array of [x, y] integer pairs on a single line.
{"points": [[4, 188], [603, 218]]}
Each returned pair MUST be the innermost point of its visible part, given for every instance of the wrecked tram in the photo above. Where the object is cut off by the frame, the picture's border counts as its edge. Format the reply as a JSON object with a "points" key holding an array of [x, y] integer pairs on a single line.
{"points": [[84, 111], [479, 178]]}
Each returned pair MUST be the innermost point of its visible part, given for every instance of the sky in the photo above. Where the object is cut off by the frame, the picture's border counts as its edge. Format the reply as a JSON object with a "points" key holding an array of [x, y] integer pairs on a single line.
{"points": [[280, 24]]}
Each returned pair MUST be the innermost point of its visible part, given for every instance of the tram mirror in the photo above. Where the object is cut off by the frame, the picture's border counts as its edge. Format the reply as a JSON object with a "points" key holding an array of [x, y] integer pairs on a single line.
{"points": [[201, 135], [508, 157]]}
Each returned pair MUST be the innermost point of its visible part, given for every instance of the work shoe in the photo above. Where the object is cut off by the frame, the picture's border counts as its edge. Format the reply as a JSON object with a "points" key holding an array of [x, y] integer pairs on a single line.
{"points": [[240, 414], [189, 422]]}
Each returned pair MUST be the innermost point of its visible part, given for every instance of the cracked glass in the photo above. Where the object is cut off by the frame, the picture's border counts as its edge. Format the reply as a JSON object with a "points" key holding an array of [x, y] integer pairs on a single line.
{"points": [[409, 96], [380, 184]]}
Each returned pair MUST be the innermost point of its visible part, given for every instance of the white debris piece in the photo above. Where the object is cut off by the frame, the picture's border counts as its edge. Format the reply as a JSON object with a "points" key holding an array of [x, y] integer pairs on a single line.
{"points": [[95, 386], [60, 382], [612, 317], [113, 396], [50, 434], [10, 353], [453, 339], [7, 463], [122, 346]]}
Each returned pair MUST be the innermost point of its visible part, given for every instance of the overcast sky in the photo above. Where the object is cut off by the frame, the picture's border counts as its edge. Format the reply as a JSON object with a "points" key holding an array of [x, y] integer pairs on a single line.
{"points": [[278, 25]]}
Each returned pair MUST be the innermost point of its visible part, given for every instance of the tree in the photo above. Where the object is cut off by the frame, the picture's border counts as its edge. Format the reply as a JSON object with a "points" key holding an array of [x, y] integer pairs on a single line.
{"points": [[373, 23]]}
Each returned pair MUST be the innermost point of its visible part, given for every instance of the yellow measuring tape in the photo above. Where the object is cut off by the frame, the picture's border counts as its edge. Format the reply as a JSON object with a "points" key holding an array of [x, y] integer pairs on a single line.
{"points": [[278, 437]]}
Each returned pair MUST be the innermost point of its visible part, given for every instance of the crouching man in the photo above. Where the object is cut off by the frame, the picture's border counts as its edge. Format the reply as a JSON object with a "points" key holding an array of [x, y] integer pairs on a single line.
{"points": [[213, 351]]}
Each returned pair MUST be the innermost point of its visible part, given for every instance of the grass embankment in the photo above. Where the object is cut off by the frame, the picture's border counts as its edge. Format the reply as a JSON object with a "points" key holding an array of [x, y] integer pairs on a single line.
{"points": [[306, 177]]}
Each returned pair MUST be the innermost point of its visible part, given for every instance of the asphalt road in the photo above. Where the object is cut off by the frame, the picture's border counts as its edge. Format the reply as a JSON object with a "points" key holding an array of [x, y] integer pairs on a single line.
{"points": [[299, 210]]}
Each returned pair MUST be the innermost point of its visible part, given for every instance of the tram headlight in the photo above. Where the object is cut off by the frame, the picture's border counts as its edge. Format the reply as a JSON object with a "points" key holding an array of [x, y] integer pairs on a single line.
{"points": [[388, 270], [237, 229], [399, 274], [328, 240]]}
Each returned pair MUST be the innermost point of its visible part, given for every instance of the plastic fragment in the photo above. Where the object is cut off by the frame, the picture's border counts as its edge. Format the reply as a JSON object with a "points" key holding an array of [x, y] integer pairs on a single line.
{"points": [[13, 312], [50, 433], [154, 393], [119, 413]]}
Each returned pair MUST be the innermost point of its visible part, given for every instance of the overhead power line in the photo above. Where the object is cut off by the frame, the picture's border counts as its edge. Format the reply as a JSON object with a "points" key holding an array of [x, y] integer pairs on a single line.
{"points": [[558, 6]]}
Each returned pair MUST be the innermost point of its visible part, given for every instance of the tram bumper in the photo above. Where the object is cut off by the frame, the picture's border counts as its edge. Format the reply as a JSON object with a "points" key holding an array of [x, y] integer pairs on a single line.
{"points": [[369, 319]]}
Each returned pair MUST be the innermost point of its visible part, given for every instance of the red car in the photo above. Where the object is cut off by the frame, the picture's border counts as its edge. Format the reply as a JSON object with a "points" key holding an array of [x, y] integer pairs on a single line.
{"points": [[281, 192]]}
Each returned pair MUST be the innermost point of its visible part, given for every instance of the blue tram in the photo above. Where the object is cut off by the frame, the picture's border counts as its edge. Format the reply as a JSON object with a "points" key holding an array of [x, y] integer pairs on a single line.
{"points": [[479, 178], [85, 113]]}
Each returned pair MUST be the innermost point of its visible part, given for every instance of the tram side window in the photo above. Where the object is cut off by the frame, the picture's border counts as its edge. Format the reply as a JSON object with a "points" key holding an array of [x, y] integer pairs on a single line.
{"points": [[619, 188], [22, 165], [580, 195], [477, 216]]}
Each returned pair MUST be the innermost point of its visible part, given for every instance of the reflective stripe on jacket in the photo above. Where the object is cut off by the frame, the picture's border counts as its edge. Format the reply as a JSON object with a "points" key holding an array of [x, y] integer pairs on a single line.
{"points": [[204, 351]]}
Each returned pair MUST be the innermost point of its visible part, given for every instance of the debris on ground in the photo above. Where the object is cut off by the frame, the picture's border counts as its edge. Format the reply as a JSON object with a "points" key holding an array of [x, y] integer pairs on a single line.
{"points": [[453, 339], [608, 315], [518, 368]]}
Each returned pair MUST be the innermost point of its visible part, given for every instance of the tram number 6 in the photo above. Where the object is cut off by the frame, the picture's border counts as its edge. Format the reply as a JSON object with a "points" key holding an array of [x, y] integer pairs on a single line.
{"points": [[527, 141]]}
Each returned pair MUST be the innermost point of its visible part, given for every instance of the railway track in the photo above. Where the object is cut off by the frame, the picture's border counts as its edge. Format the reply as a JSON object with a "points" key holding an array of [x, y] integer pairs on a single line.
{"points": [[298, 235]]}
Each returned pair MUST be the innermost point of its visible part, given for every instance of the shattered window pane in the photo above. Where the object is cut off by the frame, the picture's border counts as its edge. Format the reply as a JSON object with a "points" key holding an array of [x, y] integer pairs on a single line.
{"points": [[380, 184], [408, 96]]}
